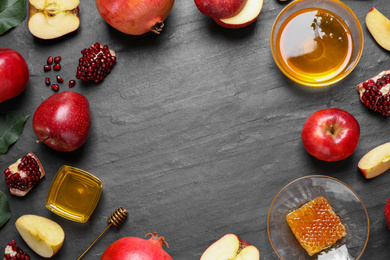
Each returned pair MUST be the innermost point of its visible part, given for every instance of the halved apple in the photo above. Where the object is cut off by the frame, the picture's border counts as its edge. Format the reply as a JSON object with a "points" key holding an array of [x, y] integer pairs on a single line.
{"points": [[44, 236], [376, 161], [248, 15], [229, 247], [49, 19], [379, 27]]}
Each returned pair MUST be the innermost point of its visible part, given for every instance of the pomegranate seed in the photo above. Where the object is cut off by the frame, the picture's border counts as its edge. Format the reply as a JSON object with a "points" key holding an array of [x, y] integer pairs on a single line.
{"points": [[57, 67], [46, 68], [55, 87], [49, 60], [16, 252], [72, 83], [59, 79], [47, 81], [57, 59]]}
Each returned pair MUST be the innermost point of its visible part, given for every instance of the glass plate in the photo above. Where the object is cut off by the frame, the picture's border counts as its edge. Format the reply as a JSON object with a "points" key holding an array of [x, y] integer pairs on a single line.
{"points": [[345, 203]]}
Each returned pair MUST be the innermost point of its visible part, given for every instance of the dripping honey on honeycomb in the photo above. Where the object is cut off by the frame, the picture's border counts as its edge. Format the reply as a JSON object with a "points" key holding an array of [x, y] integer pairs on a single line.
{"points": [[315, 225]]}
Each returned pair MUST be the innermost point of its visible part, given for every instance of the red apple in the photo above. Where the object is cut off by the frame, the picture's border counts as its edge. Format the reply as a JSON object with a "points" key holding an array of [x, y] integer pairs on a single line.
{"points": [[330, 134], [135, 17], [231, 246], [14, 74], [387, 213], [63, 121], [219, 9], [248, 15]]}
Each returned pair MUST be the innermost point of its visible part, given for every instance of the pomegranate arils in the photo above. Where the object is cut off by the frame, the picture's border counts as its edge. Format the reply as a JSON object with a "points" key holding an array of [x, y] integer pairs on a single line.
{"points": [[55, 87], [47, 81], [13, 252], [46, 68], [49, 60], [374, 93], [96, 63], [59, 79], [57, 67], [72, 83], [57, 59]]}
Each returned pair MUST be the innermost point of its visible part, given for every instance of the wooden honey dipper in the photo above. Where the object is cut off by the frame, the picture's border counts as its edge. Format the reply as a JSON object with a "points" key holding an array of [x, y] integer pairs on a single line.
{"points": [[115, 219]]}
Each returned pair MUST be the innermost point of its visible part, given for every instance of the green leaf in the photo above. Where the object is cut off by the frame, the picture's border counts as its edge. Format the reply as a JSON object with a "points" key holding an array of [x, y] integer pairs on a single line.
{"points": [[11, 126], [12, 13], [5, 212]]}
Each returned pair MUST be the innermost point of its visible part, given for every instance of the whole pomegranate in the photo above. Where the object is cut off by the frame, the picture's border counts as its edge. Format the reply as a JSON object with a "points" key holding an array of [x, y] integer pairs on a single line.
{"points": [[134, 248], [135, 17]]}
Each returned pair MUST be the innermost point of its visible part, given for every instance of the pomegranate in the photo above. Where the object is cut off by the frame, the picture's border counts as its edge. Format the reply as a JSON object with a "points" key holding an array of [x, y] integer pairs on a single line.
{"points": [[134, 248], [22, 175], [13, 252], [374, 93], [96, 63], [135, 17]]}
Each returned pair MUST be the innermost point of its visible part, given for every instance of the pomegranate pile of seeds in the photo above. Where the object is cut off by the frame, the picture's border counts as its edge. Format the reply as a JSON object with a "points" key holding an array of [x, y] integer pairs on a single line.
{"points": [[26, 176], [13, 252], [374, 93], [96, 63]]}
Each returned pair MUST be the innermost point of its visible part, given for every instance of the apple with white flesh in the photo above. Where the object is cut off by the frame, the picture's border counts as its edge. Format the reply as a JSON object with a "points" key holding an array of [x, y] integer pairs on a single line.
{"points": [[248, 15], [219, 9], [330, 134], [376, 161], [44, 236], [54, 18], [379, 27], [231, 246]]}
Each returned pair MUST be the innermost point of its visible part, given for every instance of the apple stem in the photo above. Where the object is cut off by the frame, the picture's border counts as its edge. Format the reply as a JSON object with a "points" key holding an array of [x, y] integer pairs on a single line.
{"points": [[40, 141]]}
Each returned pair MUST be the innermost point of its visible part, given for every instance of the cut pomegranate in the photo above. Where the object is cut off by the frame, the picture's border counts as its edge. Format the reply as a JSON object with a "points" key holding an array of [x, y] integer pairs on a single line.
{"points": [[72, 83], [374, 93], [59, 79], [57, 59], [49, 60], [47, 81], [13, 252], [55, 87], [57, 67], [22, 175], [46, 68], [96, 63]]}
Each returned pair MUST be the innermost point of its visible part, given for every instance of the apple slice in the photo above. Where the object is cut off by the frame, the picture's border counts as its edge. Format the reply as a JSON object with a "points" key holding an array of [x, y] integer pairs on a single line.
{"points": [[231, 246], [44, 236], [376, 161], [248, 15], [52, 19], [379, 27]]}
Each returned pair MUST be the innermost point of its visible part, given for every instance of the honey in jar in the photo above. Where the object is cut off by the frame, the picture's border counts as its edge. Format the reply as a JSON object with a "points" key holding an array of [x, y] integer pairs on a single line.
{"points": [[314, 44]]}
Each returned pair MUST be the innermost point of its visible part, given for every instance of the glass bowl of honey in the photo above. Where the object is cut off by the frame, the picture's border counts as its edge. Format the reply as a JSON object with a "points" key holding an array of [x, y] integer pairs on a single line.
{"points": [[74, 194], [346, 207], [316, 43]]}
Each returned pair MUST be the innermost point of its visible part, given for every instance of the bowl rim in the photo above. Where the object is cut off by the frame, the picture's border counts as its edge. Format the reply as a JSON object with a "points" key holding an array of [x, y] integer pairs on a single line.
{"points": [[335, 79], [317, 176]]}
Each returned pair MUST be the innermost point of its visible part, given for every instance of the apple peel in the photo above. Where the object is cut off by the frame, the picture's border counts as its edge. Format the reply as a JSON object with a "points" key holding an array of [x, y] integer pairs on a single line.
{"points": [[248, 15], [376, 161]]}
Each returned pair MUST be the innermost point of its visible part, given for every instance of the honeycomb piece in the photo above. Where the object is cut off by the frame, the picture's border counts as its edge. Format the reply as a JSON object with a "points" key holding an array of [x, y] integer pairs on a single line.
{"points": [[315, 225]]}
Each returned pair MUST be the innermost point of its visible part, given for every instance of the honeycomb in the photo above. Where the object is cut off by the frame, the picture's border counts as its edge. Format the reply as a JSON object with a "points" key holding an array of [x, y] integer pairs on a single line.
{"points": [[315, 225]]}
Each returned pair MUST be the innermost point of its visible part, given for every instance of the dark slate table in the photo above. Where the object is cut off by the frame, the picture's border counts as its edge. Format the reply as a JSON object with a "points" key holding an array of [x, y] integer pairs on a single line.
{"points": [[194, 133]]}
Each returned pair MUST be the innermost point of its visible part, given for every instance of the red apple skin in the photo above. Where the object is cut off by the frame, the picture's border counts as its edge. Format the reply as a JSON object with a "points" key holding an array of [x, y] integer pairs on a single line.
{"points": [[220, 9], [62, 121], [14, 74], [330, 134], [387, 213], [134, 17]]}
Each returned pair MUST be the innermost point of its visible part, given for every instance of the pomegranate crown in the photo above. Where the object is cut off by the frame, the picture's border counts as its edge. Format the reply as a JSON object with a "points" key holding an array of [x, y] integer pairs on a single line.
{"points": [[158, 241]]}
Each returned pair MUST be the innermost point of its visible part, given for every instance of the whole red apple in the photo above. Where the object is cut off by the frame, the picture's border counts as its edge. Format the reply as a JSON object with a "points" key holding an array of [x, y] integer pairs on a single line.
{"points": [[135, 17], [63, 121], [330, 134], [387, 213], [220, 9], [14, 74]]}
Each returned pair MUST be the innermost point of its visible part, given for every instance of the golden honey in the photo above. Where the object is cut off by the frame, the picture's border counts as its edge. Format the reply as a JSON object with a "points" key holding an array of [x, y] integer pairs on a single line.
{"points": [[315, 225], [74, 194], [314, 45]]}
